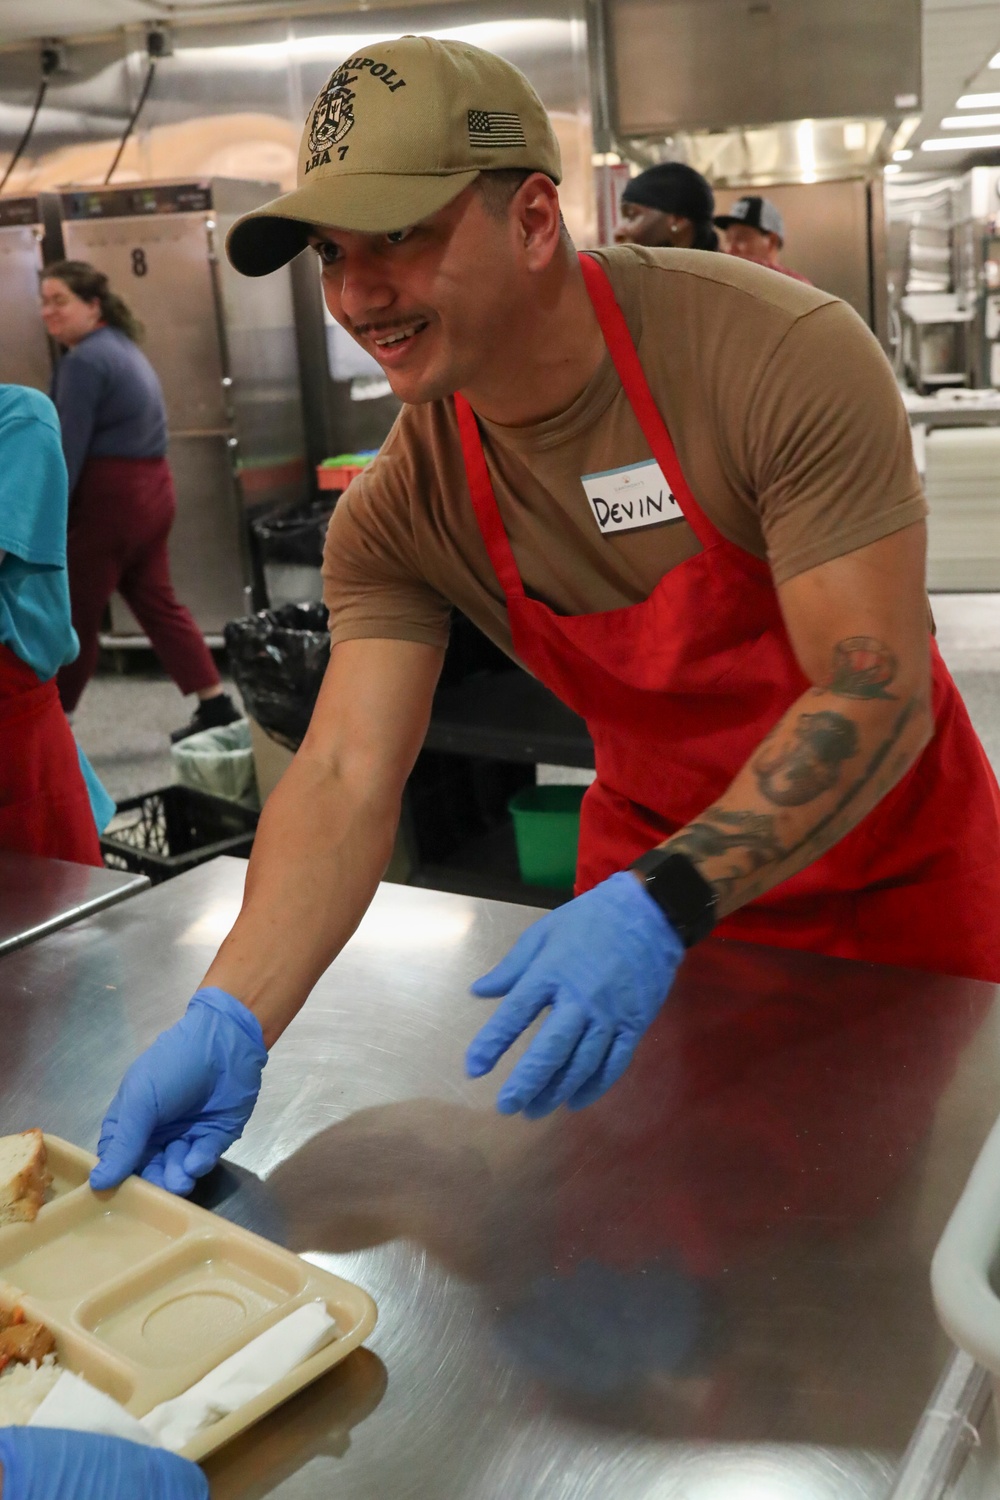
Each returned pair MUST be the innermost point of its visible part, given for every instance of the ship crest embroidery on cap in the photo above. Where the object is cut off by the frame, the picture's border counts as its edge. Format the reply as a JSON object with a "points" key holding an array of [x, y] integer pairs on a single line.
{"points": [[491, 128], [333, 114]]}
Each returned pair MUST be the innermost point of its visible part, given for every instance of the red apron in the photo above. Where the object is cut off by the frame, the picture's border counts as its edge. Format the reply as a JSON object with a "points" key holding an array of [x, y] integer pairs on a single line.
{"points": [[44, 806], [677, 693]]}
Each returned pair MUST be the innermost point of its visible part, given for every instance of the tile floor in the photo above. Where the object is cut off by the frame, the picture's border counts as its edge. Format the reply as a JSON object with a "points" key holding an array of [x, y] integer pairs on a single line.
{"points": [[124, 725]]}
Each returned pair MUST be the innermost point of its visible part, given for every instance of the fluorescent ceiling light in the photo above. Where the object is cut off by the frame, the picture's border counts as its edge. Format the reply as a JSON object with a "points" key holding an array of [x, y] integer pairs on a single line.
{"points": [[961, 143], [902, 155], [903, 132], [965, 122], [493, 36], [805, 140], [891, 170], [977, 101]]}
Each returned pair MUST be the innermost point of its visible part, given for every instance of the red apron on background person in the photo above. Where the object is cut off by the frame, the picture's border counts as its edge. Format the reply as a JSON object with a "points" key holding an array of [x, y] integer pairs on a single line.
{"points": [[679, 690], [44, 806]]}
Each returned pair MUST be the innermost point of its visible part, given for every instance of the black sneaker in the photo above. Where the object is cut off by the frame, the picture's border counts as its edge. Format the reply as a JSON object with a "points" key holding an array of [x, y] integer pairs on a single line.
{"points": [[211, 713]]}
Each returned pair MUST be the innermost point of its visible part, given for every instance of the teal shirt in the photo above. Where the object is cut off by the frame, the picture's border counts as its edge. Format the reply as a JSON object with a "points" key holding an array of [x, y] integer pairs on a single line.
{"points": [[35, 620], [34, 588]]}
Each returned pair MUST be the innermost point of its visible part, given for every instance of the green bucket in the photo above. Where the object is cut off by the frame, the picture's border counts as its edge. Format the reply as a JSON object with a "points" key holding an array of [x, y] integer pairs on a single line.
{"points": [[547, 830]]}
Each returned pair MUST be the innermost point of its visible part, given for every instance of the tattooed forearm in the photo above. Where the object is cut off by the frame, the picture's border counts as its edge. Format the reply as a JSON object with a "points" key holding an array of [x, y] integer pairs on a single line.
{"points": [[722, 829], [815, 776], [791, 772], [749, 839], [833, 821], [862, 668]]}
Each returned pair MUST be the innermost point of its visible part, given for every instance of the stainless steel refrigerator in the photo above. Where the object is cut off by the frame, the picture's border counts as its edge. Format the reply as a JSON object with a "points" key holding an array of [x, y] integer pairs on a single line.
{"points": [[224, 348], [835, 235], [25, 352]]}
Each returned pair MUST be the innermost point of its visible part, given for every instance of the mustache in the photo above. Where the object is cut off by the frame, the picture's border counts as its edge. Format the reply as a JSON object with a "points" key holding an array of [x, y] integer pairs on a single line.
{"points": [[387, 325]]}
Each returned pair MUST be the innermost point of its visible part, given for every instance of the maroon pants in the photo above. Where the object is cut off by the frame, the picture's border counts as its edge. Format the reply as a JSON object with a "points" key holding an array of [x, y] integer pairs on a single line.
{"points": [[120, 516]]}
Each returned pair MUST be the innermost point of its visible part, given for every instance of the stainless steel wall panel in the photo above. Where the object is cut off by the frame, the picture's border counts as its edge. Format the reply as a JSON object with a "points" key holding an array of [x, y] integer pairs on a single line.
{"points": [[225, 67], [712, 64], [87, 105]]}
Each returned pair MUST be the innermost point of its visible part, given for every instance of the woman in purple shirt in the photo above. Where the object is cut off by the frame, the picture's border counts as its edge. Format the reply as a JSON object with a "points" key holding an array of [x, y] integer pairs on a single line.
{"points": [[122, 504]]}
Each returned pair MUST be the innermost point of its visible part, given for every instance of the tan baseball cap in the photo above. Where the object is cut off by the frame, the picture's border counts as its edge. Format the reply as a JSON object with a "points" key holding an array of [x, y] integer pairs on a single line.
{"points": [[396, 133]]}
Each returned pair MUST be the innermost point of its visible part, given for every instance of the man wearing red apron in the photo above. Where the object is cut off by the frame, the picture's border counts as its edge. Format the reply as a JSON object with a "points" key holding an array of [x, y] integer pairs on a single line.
{"points": [[680, 491]]}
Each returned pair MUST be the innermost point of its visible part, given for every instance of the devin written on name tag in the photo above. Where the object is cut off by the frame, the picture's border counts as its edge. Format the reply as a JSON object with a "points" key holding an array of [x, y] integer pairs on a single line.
{"points": [[632, 496]]}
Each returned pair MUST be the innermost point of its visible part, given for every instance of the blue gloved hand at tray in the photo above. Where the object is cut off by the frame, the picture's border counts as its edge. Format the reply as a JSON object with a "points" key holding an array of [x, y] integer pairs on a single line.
{"points": [[186, 1099], [46, 1463]]}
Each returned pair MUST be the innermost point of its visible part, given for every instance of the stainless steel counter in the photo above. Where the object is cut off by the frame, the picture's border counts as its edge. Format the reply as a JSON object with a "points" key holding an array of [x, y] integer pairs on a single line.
{"points": [[712, 1284], [37, 896], [962, 408]]}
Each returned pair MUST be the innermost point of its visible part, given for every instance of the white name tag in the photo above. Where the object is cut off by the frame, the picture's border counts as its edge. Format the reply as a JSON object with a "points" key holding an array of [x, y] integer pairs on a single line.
{"points": [[634, 495]]}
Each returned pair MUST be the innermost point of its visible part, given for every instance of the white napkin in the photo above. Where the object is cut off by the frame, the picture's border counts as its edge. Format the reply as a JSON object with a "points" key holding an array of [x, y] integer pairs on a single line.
{"points": [[75, 1404], [260, 1364]]}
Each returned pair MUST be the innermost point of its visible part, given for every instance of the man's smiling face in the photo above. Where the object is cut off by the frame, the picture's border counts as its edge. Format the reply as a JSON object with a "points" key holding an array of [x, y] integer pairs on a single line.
{"points": [[429, 302]]}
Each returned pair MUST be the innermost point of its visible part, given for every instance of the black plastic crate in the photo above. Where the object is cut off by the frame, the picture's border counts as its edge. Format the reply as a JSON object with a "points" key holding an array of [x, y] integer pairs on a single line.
{"points": [[175, 828]]}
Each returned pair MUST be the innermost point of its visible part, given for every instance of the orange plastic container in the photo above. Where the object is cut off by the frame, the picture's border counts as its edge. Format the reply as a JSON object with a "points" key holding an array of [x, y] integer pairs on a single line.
{"points": [[337, 477]]}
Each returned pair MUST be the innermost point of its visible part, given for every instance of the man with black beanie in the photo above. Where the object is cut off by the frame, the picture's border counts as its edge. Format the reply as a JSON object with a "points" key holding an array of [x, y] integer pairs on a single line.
{"points": [[669, 204]]}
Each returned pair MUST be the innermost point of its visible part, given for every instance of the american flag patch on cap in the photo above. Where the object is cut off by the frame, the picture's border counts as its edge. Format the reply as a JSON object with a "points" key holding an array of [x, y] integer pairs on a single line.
{"points": [[490, 127]]}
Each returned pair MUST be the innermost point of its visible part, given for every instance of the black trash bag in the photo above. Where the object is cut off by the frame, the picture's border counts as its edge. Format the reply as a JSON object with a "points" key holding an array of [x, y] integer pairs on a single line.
{"points": [[295, 536], [278, 658]]}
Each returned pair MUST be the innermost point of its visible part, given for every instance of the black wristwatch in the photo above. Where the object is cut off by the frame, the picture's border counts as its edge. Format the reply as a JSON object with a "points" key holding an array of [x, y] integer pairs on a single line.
{"points": [[685, 897]]}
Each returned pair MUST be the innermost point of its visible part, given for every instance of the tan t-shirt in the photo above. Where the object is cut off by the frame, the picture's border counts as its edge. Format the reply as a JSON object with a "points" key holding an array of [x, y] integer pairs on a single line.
{"points": [[784, 413]]}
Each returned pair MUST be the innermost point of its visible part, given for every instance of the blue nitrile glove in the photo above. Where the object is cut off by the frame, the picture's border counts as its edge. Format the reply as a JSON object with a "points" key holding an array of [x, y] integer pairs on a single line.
{"points": [[186, 1099], [46, 1463], [604, 963]]}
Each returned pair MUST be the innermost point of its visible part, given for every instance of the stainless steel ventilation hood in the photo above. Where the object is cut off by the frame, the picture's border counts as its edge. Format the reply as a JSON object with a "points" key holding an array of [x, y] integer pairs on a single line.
{"points": [[763, 90]]}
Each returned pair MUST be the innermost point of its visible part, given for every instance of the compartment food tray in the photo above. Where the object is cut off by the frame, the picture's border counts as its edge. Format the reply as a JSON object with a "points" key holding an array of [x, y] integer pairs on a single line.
{"points": [[145, 1293]]}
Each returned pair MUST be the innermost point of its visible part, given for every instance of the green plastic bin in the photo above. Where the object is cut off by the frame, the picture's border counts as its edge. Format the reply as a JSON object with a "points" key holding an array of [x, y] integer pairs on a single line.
{"points": [[547, 831]]}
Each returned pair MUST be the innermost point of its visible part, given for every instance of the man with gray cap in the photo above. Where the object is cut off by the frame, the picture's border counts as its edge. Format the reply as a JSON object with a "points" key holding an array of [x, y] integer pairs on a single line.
{"points": [[754, 230], [680, 491]]}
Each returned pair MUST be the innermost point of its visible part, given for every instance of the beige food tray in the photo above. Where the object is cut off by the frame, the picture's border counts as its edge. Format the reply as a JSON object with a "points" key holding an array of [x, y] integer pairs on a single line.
{"points": [[146, 1293]]}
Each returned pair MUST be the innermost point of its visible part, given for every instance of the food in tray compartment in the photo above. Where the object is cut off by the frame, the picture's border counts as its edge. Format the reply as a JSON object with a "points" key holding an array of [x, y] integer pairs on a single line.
{"points": [[24, 1177], [28, 1366], [21, 1340]]}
